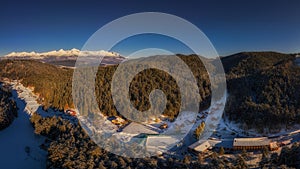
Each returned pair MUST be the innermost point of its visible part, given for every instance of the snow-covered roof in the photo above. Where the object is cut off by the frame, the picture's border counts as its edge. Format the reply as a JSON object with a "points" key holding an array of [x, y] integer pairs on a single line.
{"points": [[136, 128], [200, 146], [260, 141], [161, 143]]}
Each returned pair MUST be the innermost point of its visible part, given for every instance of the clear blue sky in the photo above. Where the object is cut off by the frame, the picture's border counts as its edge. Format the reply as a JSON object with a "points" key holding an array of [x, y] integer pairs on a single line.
{"points": [[232, 26]]}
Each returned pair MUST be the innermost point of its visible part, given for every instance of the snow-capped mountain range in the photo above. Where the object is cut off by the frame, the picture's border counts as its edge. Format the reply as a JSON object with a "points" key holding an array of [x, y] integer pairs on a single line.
{"points": [[66, 57], [62, 52]]}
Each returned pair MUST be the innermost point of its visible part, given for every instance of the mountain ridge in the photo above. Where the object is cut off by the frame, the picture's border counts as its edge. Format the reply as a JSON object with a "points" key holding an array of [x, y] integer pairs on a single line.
{"points": [[66, 58], [62, 52]]}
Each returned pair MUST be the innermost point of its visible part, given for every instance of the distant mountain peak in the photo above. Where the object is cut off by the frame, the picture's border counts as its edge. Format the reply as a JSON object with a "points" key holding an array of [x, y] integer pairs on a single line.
{"points": [[62, 52], [67, 58]]}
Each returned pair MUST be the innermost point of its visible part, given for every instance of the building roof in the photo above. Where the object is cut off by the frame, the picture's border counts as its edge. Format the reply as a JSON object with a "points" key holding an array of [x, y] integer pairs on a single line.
{"points": [[160, 142], [286, 142], [273, 145], [200, 146], [261, 141], [225, 144], [136, 128]]}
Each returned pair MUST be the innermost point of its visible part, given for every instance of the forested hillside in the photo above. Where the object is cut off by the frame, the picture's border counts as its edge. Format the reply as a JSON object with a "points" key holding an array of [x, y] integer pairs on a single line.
{"points": [[51, 83], [8, 108], [264, 90], [148, 80], [54, 85]]}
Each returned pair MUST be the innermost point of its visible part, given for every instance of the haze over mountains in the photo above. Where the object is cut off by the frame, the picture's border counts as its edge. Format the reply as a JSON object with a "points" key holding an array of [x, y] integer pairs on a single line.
{"points": [[66, 57]]}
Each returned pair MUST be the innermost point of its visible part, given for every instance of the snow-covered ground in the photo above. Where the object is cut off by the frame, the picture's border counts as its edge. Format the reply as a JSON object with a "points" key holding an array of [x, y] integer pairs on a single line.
{"points": [[230, 129], [19, 145], [227, 128]]}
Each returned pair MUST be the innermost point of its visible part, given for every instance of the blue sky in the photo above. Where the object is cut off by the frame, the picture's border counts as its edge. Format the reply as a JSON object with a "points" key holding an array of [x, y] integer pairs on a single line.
{"points": [[232, 26]]}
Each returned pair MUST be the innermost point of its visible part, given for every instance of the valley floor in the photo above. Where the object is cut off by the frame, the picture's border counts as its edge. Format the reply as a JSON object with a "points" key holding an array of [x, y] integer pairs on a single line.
{"points": [[19, 145]]}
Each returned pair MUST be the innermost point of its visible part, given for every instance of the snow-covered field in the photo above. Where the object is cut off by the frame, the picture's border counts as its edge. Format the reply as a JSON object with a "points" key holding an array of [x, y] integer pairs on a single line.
{"points": [[19, 145], [226, 127]]}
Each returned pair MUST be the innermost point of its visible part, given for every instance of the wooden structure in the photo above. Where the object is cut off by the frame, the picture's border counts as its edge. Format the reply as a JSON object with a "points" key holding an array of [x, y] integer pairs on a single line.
{"points": [[251, 143], [274, 146], [286, 142], [235, 144]]}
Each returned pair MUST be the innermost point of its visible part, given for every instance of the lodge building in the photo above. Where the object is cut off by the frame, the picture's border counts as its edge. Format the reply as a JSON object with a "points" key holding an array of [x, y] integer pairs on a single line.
{"points": [[251, 143], [237, 144]]}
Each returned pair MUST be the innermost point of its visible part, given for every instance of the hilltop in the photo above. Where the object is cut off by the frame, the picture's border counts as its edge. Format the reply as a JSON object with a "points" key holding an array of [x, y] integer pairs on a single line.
{"points": [[54, 84], [263, 90]]}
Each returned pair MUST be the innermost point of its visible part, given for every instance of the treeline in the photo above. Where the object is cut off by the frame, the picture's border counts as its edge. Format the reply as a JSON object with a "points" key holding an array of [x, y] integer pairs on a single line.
{"points": [[263, 90], [54, 85], [289, 157], [8, 107], [146, 81]]}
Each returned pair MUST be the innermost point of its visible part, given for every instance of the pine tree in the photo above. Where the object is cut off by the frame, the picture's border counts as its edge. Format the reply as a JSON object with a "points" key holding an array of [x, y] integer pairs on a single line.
{"points": [[222, 151]]}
